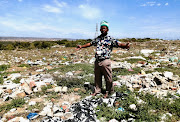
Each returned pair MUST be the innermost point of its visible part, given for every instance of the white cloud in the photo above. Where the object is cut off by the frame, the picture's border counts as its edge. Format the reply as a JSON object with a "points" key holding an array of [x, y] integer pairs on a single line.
{"points": [[166, 4], [52, 9], [20, 0], [159, 4], [150, 4], [143, 5], [60, 4], [89, 12]]}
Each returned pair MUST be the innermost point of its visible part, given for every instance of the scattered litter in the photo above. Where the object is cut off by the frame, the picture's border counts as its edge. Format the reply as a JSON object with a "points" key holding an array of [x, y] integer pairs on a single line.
{"points": [[32, 116]]}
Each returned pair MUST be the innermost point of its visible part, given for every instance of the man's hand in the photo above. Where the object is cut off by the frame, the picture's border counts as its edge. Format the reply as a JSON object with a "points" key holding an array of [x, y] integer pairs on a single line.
{"points": [[127, 46], [78, 47]]}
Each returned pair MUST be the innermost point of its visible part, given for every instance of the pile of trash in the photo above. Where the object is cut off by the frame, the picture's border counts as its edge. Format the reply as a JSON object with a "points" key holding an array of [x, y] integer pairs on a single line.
{"points": [[149, 82]]}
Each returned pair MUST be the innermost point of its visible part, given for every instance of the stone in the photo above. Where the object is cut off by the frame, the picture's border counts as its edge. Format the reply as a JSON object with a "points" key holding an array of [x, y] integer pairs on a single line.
{"points": [[143, 72], [8, 91], [164, 87], [168, 74], [146, 52], [68, 115], [76, 89], [53, 100], [133, 107], [21, 95], [14, 76], [32, 103], [59, 114], [173, 88], [50, 90], [19, 119], [141, 62], [139, 102], [20, 110], [32, 84], [64, 89], [116, 83], [46, 111], [69, 74], [178, 92], [58, 89], [170, 85], [26, 88], [13, 110]]}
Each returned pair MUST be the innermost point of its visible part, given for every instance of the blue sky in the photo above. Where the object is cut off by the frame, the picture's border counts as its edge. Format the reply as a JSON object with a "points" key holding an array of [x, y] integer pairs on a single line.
{"points": [[77, 18]]}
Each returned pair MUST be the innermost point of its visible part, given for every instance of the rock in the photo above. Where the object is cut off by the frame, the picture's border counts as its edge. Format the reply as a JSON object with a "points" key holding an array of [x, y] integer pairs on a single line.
{"points": [[32, 84], [139, 102], [59, 114], [76, 89], [165, 116], [21, 95], [168, 74], [146, 52], [141, 62], [18, 119], [32, 103], [170, 85], [58, 89], [1, 91], [13, 110], [178, 92], [64, 89], [116, 83], [68, 115], [26, 88], [8, 91], [143, 72], [133, 107], [14, 76], [92, 60], [69, 74], [164, 87], [173, 88], [46, 111]]}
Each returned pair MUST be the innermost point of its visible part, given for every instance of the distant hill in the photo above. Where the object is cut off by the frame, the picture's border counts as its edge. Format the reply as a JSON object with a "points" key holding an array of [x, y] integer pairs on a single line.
{"points": [[24, 39]]}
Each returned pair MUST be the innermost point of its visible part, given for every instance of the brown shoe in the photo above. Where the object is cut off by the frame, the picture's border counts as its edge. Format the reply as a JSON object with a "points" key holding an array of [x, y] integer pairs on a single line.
{"points": [[106, 95], [94, 94]]}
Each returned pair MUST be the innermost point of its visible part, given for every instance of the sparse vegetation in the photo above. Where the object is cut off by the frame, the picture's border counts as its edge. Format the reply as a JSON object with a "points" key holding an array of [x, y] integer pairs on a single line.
{"points": [[3, 67], [16, 80], [151, 110], [18, 102]]}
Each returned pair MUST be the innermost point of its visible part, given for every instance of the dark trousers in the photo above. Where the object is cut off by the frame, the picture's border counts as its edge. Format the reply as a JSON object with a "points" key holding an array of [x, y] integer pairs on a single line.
{"points": [[103, 68]]}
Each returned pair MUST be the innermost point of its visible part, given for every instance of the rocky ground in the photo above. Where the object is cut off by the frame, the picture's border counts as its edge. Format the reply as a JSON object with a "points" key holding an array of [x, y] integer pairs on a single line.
{"points": [[55, 84]]}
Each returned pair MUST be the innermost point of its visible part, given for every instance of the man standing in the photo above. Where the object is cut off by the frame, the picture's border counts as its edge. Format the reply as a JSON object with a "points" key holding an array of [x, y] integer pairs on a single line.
{"points": [[104, 45]]}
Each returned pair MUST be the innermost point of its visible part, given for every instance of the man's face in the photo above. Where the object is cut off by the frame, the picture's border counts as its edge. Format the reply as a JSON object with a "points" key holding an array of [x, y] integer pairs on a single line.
{"points": [[104, 29]]}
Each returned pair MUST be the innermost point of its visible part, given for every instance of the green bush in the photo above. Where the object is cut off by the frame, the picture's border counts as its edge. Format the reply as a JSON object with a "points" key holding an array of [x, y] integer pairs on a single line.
{"points": [[3, 67], [16, 80], [62, 42], [1, 79], [18, 102]]}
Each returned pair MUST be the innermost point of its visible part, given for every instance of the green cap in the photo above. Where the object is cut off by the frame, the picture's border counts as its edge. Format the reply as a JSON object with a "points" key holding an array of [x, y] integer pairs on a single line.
{"points": [[104, 23]]}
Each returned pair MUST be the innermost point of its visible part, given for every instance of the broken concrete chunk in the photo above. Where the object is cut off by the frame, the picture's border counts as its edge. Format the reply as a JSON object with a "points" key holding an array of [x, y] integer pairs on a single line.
{"points": [[168, 74], [64, 89], [133, 107], [58, 89], [21, 95]]}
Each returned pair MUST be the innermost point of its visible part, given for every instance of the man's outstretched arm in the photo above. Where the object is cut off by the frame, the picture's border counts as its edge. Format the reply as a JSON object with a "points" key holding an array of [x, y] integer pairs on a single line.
{"points": [[124, 46], [83, 46]]}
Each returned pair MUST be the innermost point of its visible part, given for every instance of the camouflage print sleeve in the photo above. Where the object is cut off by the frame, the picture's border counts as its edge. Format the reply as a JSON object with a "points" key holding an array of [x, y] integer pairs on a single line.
{"points": [[115, 42], [94, 42]]}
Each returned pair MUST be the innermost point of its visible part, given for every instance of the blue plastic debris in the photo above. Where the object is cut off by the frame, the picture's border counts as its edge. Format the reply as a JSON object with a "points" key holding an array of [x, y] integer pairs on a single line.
{"points": [[120, 109], [32, 116]]}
